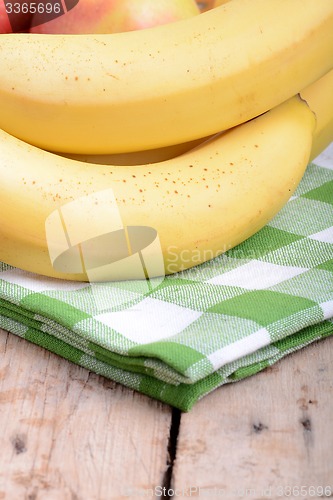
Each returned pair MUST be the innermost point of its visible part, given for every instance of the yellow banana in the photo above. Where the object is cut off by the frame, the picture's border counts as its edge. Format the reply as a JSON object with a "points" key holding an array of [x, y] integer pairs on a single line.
{"points": [[217, 3], [210, 4], [138, 157], [320, 98], [123, 92], [72, 220]]}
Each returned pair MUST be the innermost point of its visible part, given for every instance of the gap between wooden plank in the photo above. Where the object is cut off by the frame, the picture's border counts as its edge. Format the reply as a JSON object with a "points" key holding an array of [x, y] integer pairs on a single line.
{"points": [[172, 452]]}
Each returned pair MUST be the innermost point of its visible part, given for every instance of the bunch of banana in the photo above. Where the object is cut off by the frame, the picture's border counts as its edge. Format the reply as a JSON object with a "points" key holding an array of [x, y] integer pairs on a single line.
{"points": [[169, 215], [123, 92], [196, 192]]}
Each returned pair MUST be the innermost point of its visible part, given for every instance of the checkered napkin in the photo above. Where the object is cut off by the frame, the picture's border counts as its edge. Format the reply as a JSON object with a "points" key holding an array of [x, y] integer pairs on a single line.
{"points": [[216, 323]]}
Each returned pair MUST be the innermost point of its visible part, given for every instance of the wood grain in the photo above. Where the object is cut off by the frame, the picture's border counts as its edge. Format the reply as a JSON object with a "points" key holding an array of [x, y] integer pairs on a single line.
{"points": [[67, 434], [267, 432]]}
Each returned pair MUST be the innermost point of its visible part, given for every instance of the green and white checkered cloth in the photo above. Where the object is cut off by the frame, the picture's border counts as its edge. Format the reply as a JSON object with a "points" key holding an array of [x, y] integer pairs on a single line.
{"points": [[217, 323]]}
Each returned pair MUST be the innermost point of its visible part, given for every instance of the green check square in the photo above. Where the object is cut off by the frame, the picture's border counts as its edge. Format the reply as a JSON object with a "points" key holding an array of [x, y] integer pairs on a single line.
{"points": [[54, 309], [263, 306], [322, 193], [179, 356], [327, 266], [266, 240]]}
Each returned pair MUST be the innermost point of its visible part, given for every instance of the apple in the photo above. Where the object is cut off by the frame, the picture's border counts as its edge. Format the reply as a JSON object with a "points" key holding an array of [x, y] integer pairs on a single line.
{"points": [[15, 22], [112, 16], [5, 26]]}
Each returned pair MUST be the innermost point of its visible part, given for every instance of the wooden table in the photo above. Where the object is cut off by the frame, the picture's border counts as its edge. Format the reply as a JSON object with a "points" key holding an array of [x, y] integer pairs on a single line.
{"points": [[68, 434]]}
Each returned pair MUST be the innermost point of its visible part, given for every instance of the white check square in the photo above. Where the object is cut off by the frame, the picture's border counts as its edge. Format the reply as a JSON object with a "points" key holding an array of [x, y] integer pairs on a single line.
{"points": [[150, 320], [326, 235], [257, 275]]}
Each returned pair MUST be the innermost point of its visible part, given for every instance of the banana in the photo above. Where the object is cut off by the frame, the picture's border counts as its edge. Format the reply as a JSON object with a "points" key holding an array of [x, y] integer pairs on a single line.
{"points": [[210, 4], [123, 92], [138, 157], [313, 95], [323, 107], [68, 219], [217, 3]]}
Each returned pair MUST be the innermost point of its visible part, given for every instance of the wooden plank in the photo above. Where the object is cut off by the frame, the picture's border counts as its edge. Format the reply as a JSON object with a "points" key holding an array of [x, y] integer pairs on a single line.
{"points": [[257, 437], [69, 434]]}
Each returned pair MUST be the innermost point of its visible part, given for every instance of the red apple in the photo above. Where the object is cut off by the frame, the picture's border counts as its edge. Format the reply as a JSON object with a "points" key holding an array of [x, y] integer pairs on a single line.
{"points": [[5, 26], [112, 16]]}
